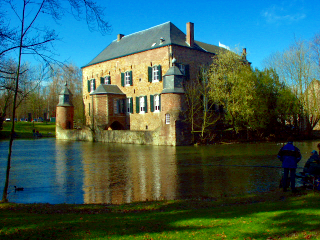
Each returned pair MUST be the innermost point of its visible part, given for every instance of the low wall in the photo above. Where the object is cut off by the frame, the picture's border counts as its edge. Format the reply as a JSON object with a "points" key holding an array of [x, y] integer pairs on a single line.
{"points": [[114, 136]]}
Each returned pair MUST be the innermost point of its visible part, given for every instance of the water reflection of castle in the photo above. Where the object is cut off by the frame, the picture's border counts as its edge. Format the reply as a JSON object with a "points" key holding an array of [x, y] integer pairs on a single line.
{"points": [[140, 176]]}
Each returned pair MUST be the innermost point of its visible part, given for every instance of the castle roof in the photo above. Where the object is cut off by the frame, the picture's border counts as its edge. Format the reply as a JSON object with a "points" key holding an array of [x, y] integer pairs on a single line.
{"points": [[155, 37]]}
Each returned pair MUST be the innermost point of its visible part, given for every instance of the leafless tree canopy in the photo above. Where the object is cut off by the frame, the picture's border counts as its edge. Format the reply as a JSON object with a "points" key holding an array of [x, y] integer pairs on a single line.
{"points": [[32, 37]]}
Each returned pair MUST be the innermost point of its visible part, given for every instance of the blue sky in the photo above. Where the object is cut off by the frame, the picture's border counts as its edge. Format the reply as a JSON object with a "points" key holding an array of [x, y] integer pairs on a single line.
{"points": [[262, 27]]}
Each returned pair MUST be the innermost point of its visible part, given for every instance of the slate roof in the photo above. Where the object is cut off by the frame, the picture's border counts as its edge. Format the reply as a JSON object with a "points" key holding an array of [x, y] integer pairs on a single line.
{"points": [[107, 89], [174, 70], [149, 39], [65, 91]]}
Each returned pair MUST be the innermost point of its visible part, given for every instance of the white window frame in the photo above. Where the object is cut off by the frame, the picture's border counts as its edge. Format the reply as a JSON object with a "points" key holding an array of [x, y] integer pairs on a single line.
{"points": [[156, 103], [91, 85], [127, 78], [107, 80], [155, 74], [167, 118], [142, 105], [128, 105]]}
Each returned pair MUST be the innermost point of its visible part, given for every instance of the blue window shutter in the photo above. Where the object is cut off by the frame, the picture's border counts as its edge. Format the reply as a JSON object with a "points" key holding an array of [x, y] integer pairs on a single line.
{"points": [[94, 84], [131, 82], [151, 103], [149, 74], [109, 79], [146, 103], [123, 105], [88, 85], [122, 79], [102, 81], [160, 73], [131, 105], [137, 105]]}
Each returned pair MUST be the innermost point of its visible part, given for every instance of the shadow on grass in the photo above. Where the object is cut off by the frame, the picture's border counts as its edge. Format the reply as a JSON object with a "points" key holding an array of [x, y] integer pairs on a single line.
{"points": [[284, 216]]}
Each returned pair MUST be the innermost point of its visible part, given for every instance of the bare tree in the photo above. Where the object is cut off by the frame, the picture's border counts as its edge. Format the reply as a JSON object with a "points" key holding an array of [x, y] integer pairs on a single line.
{"points": [[7, 83], [298, 67], [202, 112], [30, 38]]}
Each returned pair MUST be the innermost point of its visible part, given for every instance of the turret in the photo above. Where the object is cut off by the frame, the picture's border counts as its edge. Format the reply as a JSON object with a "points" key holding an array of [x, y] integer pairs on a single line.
{"points": [[65, 109]]}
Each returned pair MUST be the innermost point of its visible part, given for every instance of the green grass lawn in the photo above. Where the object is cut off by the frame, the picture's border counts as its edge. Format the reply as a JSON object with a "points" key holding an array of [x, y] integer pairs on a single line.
{"points": [[24, 129], [273, 215]]}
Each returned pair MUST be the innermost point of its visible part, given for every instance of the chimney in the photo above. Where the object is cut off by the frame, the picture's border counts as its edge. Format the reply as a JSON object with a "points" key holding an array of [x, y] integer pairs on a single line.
{"points": [[190, 34], [244, 53], [119, 37]]}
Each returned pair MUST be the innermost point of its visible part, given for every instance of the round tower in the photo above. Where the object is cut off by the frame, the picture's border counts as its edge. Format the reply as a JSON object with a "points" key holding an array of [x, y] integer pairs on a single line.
{"points": [[65, 110], [174, 128]]}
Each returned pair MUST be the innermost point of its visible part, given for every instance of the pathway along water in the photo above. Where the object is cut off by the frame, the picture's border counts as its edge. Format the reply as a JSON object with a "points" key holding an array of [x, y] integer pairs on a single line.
{"points": [[53, 171]]}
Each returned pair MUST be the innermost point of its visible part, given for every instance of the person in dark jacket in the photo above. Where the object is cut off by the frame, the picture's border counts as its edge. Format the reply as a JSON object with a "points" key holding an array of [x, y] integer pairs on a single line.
{"points": [[312, 166], [289, 155]]}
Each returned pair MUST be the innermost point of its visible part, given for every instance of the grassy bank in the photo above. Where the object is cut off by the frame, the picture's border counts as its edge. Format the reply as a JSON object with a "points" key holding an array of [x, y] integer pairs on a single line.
{"points": [[24, 129], [274, 215]]}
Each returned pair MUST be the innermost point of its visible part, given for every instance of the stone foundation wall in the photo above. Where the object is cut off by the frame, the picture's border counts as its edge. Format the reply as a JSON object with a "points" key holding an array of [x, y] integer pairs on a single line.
{"points": [[156, 137]]}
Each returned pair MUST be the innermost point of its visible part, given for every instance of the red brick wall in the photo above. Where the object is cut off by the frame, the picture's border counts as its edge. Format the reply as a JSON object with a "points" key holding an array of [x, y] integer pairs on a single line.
{"points": [[64, 117]]}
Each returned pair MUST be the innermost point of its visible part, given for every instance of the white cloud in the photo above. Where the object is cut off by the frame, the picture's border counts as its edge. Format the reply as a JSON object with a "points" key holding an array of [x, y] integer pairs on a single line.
{"points": [[278, 14]]}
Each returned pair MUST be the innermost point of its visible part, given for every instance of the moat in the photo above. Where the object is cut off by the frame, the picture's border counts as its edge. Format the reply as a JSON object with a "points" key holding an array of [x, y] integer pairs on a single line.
{"points": [[55, 171]]}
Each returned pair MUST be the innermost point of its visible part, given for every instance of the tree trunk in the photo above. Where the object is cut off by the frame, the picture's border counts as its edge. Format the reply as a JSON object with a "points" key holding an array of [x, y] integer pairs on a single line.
{"points": [[6, 185]]}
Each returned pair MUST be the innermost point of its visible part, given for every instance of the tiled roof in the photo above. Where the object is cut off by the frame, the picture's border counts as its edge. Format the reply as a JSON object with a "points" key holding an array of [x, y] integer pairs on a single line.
{"points": [[149, 39]]}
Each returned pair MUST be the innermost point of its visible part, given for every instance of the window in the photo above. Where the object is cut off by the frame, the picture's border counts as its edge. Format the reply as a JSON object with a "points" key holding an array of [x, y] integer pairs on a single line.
{"points": [[105, 80], [126, 78], [182, 69], [167, 118], [155, 103], [119, 106], [115, 106], [141, 104], [129, 105], [154, 74], [91, 85]]}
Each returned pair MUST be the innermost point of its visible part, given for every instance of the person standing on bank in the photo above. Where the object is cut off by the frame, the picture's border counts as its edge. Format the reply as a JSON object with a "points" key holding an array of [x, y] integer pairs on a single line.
{"points": [[289, 155]]}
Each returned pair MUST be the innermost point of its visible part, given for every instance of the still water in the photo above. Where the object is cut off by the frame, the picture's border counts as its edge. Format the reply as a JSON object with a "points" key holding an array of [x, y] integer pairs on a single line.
{"points": [[55, 171]]}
